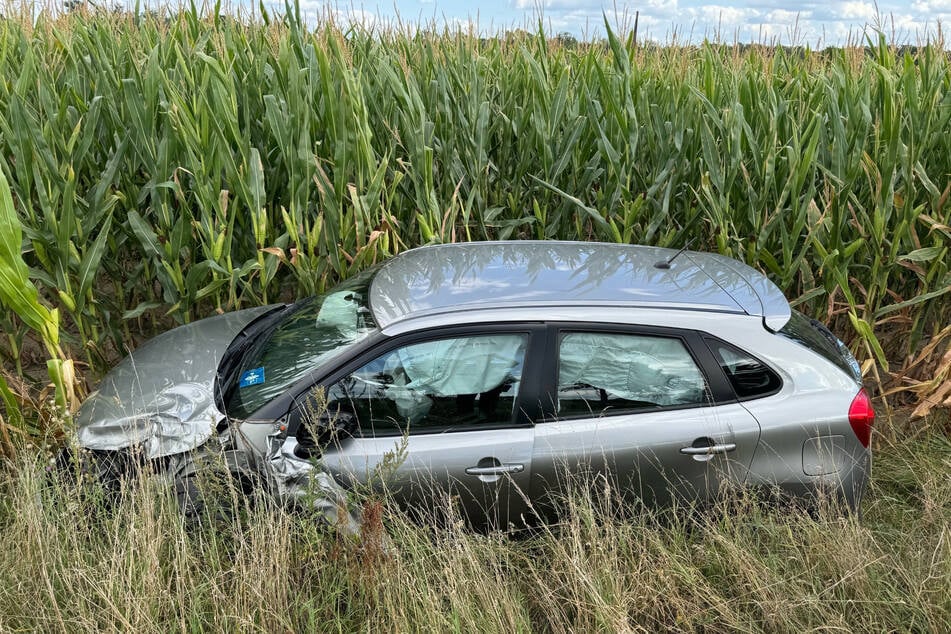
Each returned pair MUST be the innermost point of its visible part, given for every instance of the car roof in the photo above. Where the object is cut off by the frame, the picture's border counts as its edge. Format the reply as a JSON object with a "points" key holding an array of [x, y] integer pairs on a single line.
{"points": [[458, 277]]}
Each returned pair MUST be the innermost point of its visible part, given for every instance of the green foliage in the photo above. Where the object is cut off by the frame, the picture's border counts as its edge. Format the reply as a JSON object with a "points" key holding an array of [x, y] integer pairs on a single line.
{"points": [[17, 292], [176, 165], [19, 295]]}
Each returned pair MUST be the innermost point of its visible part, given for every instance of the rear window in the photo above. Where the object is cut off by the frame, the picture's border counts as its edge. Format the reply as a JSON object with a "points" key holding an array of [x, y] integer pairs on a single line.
{"points": [[750, 377], [814, 335]]}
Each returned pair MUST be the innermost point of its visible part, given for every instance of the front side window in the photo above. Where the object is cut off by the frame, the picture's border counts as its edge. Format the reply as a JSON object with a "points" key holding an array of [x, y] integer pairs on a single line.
{"points": [[437, 385], [604, 373]]}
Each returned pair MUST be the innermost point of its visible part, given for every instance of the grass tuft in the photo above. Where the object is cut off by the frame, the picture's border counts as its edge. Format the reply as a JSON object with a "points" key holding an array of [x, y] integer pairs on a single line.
{"points": [[69, 562]]}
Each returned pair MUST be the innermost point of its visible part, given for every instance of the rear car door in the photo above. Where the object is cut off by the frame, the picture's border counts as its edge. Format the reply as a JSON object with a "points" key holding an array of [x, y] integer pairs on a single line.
{"points": [[441, 418], [645, 410]]}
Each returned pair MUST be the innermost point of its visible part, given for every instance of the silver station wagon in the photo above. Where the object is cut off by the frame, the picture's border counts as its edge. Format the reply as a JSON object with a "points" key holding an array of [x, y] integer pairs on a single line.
{"points": [[495, 371]]}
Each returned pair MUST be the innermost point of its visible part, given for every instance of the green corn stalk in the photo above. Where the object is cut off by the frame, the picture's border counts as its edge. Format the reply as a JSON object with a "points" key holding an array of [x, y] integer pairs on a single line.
{"points": [[172, 168], [17, 293]]}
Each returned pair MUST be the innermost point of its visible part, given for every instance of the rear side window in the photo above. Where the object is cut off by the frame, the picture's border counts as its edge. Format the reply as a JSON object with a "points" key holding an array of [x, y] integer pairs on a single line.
{"points": [[815, 336], [750, 377], [605, 373]]}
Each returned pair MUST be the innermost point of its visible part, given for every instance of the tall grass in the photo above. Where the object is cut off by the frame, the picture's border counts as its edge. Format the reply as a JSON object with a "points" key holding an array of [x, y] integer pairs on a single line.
{"points": [[169, 166], [70, 563]]}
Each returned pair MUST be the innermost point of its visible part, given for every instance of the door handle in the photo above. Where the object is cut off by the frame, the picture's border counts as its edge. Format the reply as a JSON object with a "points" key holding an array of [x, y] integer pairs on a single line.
{"points": [[709, 449], [495, 470]]}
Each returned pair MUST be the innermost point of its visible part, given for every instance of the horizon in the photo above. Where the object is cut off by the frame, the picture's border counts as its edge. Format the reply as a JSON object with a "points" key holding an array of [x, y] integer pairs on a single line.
{"points": [[818, 24], [680, 22]]}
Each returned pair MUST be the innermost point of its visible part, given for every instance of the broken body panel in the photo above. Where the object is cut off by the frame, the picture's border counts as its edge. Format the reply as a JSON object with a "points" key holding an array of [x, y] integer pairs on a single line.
{"points": [[160, 401], [161, 397]]}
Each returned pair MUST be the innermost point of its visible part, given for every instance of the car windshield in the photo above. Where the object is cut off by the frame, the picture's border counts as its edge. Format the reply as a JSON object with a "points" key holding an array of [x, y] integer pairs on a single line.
{"points": [[305, 336]]}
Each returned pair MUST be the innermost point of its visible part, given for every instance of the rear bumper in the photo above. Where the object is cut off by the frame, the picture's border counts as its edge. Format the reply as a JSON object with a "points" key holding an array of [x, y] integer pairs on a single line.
{"points": [[844, 488]]}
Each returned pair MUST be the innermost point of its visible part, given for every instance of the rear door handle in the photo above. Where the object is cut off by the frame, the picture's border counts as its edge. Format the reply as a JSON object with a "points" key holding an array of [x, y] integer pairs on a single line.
{"points": [[709, 449], [495, 470]]}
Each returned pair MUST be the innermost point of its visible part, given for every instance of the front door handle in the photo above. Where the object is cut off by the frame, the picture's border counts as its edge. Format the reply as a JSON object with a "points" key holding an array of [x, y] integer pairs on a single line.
{"points": [[495, 469], [709, 449]]}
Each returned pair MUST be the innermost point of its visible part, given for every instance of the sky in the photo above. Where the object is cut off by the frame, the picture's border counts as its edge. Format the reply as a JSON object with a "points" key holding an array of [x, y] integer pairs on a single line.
{"points": [[818, 24]]}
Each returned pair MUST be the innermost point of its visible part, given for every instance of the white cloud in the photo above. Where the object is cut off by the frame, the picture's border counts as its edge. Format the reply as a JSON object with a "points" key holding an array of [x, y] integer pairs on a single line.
{"points": [[905, 26], [813, 22], [360, 17], [595, 7], [727, 16], [314, 12], [782, 16], [932, 6], [858, 10], [558, 5]]}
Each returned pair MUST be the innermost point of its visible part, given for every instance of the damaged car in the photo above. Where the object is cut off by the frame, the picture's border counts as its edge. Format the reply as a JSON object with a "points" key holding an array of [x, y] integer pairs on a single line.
{"points": [[495, 371]]}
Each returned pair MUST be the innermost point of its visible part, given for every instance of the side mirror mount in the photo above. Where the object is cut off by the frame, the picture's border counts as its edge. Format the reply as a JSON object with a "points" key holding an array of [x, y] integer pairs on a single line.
{"points": [[327, 429]]}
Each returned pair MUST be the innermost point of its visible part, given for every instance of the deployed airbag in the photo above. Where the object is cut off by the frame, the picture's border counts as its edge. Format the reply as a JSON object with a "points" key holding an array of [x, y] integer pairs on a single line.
{"points": [[450, 367], [657, 370]]}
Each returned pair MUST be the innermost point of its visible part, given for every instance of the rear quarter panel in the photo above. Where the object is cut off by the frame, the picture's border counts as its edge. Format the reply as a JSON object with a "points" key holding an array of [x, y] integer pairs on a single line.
{"points": [[807, 443]]}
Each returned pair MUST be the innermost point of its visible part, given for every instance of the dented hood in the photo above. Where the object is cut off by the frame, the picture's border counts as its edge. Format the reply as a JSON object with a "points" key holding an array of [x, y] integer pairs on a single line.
{"points": [[162, 395]]}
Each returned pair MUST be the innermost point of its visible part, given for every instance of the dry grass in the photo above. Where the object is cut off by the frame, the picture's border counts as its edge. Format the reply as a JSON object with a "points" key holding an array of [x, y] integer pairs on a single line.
{"points": [[70, 564]]}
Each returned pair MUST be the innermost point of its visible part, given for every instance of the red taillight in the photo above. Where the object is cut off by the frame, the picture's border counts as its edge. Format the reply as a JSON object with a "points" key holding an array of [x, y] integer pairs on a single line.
{"points": [[861, 417]]}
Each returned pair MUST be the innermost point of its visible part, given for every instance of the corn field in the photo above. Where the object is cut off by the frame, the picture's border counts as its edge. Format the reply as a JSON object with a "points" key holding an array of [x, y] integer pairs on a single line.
{"points": [[163, 167]]}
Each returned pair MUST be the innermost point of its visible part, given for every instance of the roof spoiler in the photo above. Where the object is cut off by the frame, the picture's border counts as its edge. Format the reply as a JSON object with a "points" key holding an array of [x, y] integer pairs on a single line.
{"points": [[749, 288]]}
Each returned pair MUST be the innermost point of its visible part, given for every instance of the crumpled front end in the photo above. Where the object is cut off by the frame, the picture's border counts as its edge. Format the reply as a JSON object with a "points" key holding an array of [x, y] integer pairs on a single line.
{"points": [[294, 482], [300, 482], [161, 397], [159, 402], [178, 419]]}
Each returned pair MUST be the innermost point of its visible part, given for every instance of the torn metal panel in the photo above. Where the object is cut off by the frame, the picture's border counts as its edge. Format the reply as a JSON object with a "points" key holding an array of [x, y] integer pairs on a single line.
{"points": [[162, 395], [301, 482]]}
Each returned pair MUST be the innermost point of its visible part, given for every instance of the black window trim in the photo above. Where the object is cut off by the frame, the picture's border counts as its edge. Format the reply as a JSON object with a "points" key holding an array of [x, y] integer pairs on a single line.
{"points": [[526, 401], [710, 340], [720, 390]]}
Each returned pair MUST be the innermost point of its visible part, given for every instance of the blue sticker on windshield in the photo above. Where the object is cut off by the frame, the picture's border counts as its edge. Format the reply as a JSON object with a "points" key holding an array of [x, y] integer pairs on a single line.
{"points": [[252, 377]]}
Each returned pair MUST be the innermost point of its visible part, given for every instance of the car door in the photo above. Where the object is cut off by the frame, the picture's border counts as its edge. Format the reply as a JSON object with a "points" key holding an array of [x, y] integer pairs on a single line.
{"points": [[441, 419], [634, 408]]}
